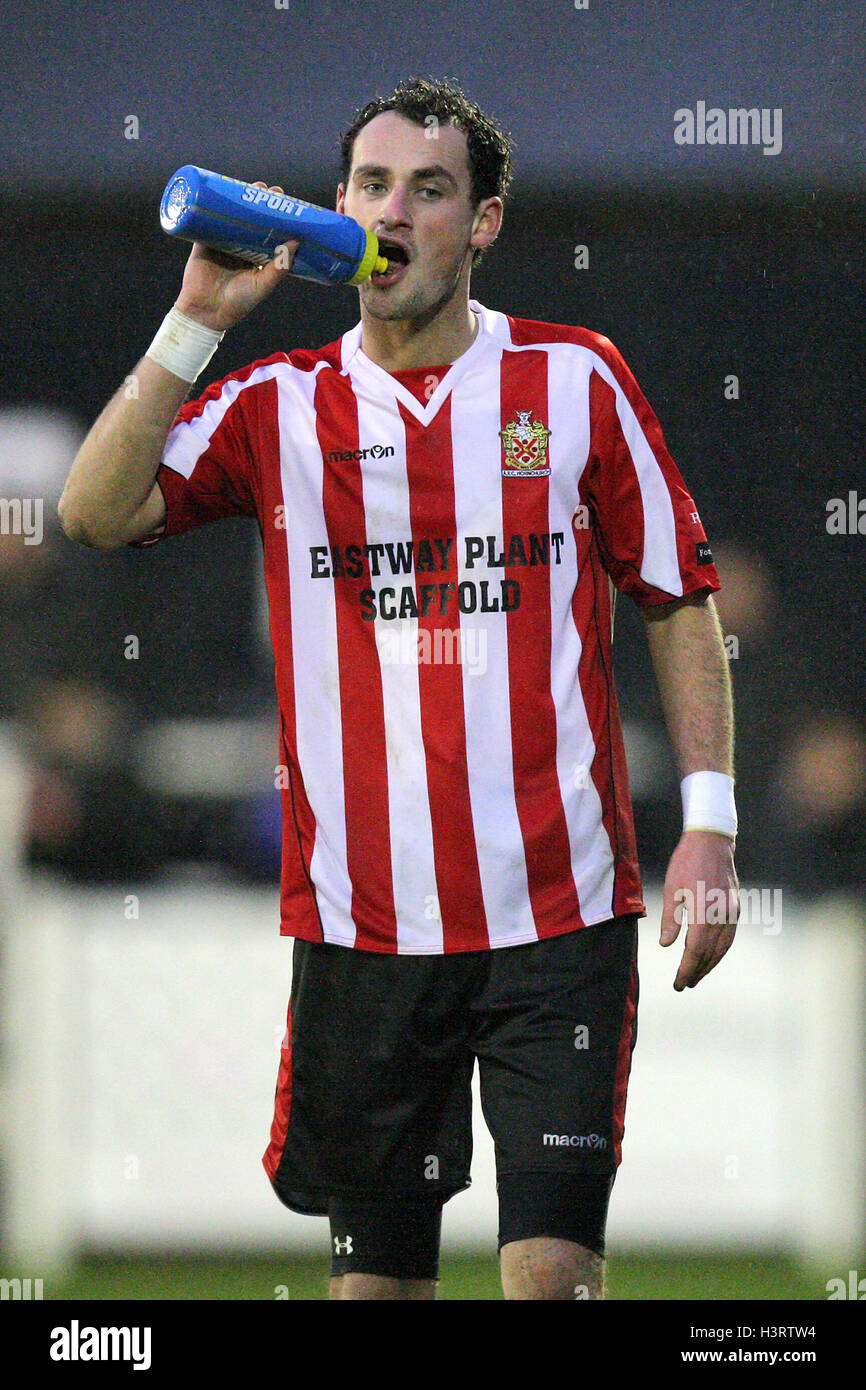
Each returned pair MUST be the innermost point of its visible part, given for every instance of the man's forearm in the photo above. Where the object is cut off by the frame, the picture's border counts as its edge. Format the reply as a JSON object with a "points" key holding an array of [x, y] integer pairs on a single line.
{"points": [[688, 653], [691, 666], [115, 469]]}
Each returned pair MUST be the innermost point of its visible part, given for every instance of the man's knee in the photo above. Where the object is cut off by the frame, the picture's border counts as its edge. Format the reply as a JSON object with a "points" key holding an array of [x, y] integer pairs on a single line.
{"points": [[545, 1267]]}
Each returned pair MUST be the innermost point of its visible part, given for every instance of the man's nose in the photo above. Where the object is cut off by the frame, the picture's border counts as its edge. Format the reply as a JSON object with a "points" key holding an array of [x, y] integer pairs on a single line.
{"points": [[396, 208]]}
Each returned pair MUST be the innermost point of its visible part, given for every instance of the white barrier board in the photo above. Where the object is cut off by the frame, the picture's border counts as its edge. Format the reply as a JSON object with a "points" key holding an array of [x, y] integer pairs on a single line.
{"points": [[142, 1055]]}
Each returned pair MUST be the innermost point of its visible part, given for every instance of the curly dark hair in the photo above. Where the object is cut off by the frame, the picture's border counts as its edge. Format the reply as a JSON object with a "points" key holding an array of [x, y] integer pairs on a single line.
{"points": [[491, 161]]}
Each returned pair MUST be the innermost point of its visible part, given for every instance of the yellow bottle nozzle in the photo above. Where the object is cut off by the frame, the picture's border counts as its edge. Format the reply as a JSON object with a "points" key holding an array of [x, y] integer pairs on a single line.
{"points": [[370, 262]]}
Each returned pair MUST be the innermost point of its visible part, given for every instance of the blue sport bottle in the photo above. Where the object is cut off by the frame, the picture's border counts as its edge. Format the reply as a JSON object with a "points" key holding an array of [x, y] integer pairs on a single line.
{"points": [[250, 223]]}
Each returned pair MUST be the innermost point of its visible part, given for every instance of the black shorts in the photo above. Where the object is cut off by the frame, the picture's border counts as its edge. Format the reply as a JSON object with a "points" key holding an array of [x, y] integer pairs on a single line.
{"points": [[374, 1089]]}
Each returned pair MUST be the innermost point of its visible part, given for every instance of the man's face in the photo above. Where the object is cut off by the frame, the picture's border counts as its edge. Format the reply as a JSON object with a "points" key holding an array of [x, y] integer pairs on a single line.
{"points": [[413, 192]]}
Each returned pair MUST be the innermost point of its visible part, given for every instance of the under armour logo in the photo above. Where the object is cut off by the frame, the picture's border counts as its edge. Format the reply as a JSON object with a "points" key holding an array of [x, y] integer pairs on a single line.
{"points": [[345, 1244]]}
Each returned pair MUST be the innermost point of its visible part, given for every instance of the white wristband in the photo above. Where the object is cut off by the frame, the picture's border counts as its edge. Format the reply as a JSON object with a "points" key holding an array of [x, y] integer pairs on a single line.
{"points": [[183, 346], [708, 803]]}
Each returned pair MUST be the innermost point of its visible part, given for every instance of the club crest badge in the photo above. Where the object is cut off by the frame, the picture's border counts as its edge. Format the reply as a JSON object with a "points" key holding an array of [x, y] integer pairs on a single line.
{"points": [[524, 444]]}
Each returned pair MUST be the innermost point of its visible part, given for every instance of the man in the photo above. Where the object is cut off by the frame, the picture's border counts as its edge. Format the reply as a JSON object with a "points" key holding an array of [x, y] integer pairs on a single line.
{"points": [[444, 495]]}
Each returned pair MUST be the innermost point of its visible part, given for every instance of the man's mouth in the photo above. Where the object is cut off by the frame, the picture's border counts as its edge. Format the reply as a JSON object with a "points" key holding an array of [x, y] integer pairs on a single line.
{"points": [[398, 262]]}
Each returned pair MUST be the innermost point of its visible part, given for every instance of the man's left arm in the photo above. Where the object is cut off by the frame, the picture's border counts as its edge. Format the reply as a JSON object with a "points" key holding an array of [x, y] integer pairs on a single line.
{"points": [[688, 654]]}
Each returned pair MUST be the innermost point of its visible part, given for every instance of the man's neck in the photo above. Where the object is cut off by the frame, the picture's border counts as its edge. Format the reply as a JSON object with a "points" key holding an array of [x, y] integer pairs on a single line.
{"points": [[398, 344]]}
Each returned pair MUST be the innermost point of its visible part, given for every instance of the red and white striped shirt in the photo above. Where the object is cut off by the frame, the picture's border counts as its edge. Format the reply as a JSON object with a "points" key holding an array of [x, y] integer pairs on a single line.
{"points": [[437, 565]]}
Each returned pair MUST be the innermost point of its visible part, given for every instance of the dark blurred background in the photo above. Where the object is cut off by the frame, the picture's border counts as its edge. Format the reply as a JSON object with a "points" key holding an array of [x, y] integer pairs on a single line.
{"points": [[703, 264]]}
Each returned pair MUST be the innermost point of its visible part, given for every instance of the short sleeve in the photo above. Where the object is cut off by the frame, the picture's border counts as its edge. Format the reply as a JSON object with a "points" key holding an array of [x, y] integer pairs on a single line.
{"points": [[649, 531], [208, 469]]}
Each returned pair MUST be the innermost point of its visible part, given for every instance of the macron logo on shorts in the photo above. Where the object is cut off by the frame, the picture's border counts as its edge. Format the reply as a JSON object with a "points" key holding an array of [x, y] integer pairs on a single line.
{"points": [[575, 1141]]}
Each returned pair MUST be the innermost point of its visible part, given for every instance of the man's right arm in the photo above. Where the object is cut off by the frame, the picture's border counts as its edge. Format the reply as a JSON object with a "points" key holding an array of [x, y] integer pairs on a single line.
{"points": [[111, 495]]}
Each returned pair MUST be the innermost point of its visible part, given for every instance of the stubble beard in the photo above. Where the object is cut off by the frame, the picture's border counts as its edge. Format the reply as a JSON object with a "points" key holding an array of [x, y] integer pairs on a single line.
{"points": [[422, 303]]}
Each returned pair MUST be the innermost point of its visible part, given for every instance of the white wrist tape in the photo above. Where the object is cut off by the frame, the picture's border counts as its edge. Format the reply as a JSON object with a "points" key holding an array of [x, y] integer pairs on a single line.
{"points": [[708, 803], [183, 346]]}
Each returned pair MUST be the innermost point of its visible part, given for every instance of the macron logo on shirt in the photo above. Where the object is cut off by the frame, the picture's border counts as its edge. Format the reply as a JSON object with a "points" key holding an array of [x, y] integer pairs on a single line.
{"points": [[375, 451]]}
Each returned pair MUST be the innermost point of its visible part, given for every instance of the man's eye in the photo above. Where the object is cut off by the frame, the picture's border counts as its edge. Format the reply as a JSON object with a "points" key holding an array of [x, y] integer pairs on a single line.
{"points": [[435, 191], [368, 186]]}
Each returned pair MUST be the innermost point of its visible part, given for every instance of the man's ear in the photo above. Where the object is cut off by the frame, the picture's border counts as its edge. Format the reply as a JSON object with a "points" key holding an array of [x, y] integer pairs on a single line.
{"points": [[341, 196], [488, 220]]}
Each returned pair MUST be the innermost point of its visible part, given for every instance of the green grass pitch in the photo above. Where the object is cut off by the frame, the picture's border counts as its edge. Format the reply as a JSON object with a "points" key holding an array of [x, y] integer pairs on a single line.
{"points": [[463, 1277]]}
